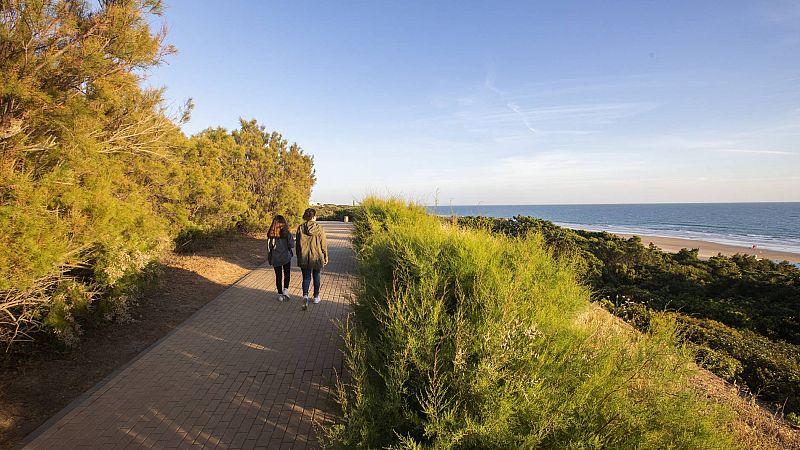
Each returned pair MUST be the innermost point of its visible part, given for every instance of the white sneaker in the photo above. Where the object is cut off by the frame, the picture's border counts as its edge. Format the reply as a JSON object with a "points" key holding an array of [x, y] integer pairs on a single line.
{"points": [[305, 302], [317, 300], [286, 294], [280, 297]]}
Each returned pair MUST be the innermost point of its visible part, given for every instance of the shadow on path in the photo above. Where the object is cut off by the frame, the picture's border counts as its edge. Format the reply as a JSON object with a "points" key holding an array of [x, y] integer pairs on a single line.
{"points": [[37, 384], [244, 371]]}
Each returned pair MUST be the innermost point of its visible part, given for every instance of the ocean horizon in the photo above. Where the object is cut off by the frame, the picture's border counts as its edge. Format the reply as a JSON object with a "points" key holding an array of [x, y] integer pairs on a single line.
{"points": [[768, 225]]}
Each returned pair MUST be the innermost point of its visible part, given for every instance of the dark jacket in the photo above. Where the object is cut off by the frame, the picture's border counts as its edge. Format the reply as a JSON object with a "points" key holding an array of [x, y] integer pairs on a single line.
{"points": [[279, 250], [312, 246]]}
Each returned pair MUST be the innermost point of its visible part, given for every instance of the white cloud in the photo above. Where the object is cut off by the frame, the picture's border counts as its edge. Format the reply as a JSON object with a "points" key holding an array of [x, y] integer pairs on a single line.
{"points": [[519, 113], [489, 81]]}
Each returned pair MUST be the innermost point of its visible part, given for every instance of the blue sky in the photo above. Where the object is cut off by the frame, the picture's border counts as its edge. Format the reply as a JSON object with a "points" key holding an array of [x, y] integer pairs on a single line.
{"points": [[507, 102]]}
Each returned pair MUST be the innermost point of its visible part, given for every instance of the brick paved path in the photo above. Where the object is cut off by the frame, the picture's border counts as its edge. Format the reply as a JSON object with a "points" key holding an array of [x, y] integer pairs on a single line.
{"points": [[246, 371]]}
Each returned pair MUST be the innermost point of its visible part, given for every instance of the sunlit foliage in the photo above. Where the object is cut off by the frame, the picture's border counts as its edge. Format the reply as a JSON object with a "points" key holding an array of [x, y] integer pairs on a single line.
{"points": [[96, 178]]}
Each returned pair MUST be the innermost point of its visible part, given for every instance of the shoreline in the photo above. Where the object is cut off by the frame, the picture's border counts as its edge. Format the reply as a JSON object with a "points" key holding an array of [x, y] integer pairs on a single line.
{"points": [[709, 249]]}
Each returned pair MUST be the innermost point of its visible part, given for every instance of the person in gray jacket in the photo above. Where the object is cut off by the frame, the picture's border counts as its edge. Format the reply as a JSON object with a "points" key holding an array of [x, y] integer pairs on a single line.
{"points": [[279, 254], [312, 253]]}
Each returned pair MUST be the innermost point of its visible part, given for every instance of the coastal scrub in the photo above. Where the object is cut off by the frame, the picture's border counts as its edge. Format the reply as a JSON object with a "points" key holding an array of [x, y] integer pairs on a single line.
{"points": [[461, 339]]}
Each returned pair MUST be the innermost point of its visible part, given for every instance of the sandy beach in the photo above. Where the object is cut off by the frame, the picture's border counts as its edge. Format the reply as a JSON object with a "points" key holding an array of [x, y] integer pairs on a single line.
{"points": [[708, 249]]}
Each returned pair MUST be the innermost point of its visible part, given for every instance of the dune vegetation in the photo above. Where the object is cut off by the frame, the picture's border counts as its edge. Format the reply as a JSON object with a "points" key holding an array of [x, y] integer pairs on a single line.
{"points": [[464, 339], [739, 315]]}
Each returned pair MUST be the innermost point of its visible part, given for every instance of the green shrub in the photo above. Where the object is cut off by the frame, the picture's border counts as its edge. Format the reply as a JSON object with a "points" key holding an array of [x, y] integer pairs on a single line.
{"points": [[771, 370], [338, 212], [70, 302], [738, 356], [461, 339], [96, 179], [738, 314], [192, 239]]}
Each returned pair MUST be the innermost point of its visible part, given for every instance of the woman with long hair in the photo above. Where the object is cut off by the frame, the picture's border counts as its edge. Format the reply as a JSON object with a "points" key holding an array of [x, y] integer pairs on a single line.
{"points": [[312, 253], [279, 254]]}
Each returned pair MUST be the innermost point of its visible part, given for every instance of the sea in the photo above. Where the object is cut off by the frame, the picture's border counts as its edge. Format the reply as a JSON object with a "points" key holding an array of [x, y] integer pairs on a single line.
{"points": [[774, 226]]}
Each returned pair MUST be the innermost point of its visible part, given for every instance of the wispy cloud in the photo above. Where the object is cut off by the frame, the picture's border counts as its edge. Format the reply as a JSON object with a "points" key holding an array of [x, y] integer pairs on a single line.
{"points": [[519, 113], [789, 127], [569, 167], [784, 16], [540, 170], [505, 120], [781, 11], [500, 113], [745, 142], [757, 152], [597, 113], [489, 81]]}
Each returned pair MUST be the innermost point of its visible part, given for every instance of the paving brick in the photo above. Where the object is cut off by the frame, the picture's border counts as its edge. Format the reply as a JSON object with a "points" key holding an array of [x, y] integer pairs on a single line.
{"points": [[245, 371]]}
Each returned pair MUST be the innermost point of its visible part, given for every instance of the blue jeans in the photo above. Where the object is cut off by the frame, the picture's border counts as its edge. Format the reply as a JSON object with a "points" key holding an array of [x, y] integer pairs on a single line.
{"points": [[307, 274]]}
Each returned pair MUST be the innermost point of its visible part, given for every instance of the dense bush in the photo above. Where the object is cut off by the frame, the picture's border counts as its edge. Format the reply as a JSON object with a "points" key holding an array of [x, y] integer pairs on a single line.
{"points": [[740, 314], [96, 178], [338, 212], [461, 339], [240, 179]]}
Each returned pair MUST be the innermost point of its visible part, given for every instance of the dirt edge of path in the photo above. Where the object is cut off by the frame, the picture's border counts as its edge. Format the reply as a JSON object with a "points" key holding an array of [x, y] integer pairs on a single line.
{"points": [[34, 388]]}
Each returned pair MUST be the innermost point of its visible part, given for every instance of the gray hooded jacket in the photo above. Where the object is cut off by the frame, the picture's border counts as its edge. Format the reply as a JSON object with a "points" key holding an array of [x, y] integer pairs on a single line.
{"points": [[312, 246]]}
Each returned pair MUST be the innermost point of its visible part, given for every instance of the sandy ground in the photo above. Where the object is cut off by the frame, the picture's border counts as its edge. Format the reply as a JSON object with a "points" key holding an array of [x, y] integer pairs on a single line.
{"points": [[708, 249]]}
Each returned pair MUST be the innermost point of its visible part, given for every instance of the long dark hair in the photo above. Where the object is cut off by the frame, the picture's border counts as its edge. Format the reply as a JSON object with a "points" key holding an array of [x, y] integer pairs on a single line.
{"points": [[279, 228], [309, 214]]}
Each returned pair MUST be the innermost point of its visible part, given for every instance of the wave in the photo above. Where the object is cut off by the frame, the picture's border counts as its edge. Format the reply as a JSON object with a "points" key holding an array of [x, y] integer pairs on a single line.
{"points": [[746, 241]]}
